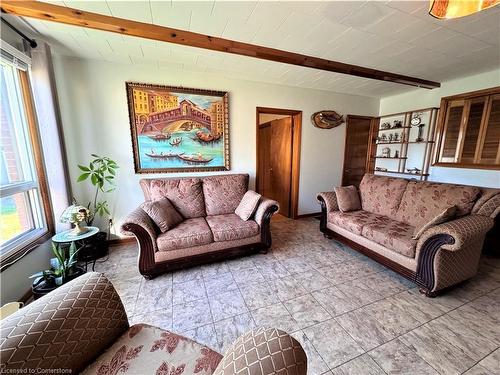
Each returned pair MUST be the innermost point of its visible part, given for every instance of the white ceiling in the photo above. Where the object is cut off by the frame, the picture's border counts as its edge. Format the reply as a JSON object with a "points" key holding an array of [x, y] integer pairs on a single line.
{"points": [[396, 36]]}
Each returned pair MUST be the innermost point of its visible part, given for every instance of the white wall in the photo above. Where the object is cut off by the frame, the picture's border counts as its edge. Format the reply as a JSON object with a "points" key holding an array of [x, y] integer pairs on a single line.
{"points": [[95, 120], [422, 98]]}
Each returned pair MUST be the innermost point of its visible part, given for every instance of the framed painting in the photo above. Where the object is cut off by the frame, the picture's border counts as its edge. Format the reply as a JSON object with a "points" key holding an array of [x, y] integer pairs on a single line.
{"points": [[177, 129]]}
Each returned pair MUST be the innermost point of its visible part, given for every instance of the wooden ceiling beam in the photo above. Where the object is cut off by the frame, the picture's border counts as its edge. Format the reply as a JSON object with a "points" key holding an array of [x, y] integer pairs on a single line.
{"points": [[70, 16]]}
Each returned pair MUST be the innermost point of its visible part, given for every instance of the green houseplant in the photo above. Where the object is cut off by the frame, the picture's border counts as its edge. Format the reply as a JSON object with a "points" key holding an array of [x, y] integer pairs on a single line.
{"points": [[101, 173], [64, 269]]}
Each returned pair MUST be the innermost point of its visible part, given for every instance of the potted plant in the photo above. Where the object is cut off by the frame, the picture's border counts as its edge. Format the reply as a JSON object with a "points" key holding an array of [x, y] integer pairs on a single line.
{"points": [[101, 172], [63, 269]]}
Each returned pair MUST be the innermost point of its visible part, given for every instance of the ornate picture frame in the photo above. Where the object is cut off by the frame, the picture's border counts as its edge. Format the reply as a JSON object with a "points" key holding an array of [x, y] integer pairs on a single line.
{"points": [[178, 129]]}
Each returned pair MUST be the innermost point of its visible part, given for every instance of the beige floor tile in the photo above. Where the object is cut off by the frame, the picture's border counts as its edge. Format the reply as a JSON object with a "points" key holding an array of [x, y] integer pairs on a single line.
{"points": [[227, 304], [230, 329], [333, 343], [396, 358], [275, 316], [306, 311], [363, 364]]}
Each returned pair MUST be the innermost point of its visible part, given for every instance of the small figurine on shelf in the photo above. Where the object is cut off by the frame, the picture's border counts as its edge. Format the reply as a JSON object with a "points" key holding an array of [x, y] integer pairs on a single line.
{"points": [[396, 154], [385, 125], [413, 170], [380, 169], [383, 138], [420, 133], [397, 124], [391, 137], [396, 137], [386, 152]]}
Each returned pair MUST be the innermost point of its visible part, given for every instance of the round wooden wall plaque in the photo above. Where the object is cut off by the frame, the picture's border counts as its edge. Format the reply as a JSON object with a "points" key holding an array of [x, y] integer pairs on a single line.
{"points": [[327, 119]]}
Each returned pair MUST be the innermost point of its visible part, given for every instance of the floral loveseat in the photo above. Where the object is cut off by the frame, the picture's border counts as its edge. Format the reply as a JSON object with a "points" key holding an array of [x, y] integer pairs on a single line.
{"points": [[211, 230], [81, 327], [443, 255]]}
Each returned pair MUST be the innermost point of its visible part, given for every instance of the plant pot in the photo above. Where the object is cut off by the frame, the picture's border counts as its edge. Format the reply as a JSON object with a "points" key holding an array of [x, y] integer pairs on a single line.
{"points": [[74, 273], [43, 288], [95, 247], [59, 280]]}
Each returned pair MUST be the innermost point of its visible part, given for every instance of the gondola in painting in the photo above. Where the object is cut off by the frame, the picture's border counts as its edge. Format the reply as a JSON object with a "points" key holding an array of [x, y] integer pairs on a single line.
{"points": [[177, 129]]}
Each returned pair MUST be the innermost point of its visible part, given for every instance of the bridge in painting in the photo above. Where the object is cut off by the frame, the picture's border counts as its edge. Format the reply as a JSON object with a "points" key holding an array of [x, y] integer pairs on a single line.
{"points": [[186, 117]]}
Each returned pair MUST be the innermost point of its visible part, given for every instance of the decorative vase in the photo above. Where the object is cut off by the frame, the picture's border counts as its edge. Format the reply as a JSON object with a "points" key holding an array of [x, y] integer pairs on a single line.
{"points": [[78, 229]]}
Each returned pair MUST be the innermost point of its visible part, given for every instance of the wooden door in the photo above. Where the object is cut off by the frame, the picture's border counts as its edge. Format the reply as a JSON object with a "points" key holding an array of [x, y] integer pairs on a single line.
{"points": [[264, 180], [357, 142], [281, 162], [275, 162]]}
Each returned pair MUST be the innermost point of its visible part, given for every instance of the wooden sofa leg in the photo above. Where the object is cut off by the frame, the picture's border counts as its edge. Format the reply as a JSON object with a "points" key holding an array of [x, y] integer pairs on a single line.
{"points": [[328, 236], [428, 293]]}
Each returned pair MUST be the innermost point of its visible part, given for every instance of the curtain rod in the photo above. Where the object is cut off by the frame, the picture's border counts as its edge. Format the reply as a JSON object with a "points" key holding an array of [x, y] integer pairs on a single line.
{"points": [[32, 42]]}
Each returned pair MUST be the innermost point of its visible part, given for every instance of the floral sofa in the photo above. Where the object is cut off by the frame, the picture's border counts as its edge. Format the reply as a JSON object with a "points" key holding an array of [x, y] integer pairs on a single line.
{"points": [[391, 208], [211, 230], [82, 327]]}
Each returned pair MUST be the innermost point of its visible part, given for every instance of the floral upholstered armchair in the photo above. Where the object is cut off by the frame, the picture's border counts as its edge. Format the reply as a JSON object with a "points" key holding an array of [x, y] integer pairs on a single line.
{"points": [[82, 327]]}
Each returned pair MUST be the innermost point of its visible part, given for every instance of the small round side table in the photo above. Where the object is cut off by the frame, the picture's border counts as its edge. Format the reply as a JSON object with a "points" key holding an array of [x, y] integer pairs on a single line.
{"points": [[67, 237]]}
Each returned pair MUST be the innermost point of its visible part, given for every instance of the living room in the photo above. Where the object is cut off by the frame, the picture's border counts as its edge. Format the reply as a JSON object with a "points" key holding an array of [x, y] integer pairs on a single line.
{"points": [[226, 172]]}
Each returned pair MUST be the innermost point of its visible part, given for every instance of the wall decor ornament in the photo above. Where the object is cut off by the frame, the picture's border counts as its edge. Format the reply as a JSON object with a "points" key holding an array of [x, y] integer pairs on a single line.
{"points": [[177, 129], [327, 119]]}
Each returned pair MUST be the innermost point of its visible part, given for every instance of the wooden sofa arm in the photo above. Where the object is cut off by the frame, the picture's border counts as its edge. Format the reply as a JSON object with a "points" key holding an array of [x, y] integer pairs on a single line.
{"points": [[66, 329], [449, 253], [264, 351], [140, 225], [462, 231], [329, 200], [265, 210]]}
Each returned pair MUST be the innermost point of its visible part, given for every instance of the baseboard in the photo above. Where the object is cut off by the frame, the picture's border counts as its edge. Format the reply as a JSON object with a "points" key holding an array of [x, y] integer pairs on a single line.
{"points": [[309, 215], [120, 240]]}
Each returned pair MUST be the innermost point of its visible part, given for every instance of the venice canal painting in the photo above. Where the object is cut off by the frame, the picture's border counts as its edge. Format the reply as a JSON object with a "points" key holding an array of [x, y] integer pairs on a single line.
{"points": [[178, 129]]}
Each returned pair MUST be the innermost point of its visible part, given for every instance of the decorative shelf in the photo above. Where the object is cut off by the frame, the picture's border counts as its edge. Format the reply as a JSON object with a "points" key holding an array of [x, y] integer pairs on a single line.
{"points": [[402, 127], [406, 173], [398, 143], [385, 157]]}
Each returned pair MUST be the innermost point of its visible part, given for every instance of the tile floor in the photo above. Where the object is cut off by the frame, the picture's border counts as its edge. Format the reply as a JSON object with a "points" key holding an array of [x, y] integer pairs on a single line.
{"points": [[351, 315]]}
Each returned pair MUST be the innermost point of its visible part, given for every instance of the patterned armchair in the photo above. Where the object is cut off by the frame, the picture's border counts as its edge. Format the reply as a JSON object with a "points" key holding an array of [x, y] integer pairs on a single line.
{"points": [[81, 327], [210, 230], [391, 208]]}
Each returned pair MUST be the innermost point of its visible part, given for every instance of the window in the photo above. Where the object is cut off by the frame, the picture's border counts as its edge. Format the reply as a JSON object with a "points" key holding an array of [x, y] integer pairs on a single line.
{"points": [[469, 130], [22, 218]]}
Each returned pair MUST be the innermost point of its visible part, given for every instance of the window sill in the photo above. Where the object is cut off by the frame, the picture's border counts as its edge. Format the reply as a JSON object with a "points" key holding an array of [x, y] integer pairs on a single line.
{"points": [[26, 247]]}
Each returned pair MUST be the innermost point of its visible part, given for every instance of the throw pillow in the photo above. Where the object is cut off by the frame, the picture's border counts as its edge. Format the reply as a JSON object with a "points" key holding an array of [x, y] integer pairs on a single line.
{"points": [[248, 205], [163, 213], [447, 215], [348, 198]]}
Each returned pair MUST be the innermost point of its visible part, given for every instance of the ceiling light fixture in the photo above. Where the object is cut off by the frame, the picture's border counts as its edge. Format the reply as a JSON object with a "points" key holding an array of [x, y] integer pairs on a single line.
{"points": [[446, 9]]}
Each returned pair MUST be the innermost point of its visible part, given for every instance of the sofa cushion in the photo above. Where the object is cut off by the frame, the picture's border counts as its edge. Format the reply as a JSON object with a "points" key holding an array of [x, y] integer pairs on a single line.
{"points": [[144, 349], [392, 234], [348, 198], [447, 215], [352, 221], [223, 193], [191, 232], [231, 227], [422, 201], [163, 213], [381, 195], [185, 194], [248, 205]]}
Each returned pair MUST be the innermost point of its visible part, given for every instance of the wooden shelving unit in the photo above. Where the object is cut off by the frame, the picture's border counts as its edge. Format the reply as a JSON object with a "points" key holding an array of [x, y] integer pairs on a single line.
{"points": [[412, 152], [385, 157]]}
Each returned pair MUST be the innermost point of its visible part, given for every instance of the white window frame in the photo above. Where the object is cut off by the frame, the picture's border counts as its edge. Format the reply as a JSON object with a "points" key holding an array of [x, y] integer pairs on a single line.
{"points": [[29, 186]]}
